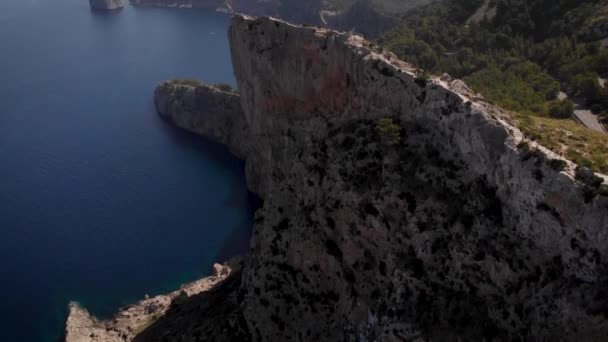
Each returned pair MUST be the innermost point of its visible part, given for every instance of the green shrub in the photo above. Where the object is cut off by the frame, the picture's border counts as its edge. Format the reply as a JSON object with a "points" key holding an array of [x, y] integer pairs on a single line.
{"points": [[557, 164], [524, 146], [422, 79], [596, 108], [389, 132], [561, 109]]}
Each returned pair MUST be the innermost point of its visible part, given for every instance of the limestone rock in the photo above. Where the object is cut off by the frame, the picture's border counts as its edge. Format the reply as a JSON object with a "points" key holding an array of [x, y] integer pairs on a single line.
{"points": [[106, 4], [132, 320], [220, 270], [206, 110], [446, 77]]}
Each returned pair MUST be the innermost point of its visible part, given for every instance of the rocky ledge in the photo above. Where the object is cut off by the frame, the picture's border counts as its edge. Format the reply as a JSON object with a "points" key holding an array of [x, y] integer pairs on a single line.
{"points": [[396, 208], [209, 110], [134, 319], [106, 5]]}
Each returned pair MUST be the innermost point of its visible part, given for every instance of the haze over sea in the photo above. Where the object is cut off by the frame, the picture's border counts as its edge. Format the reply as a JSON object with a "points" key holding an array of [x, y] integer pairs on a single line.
{"points": [[100, 200]]}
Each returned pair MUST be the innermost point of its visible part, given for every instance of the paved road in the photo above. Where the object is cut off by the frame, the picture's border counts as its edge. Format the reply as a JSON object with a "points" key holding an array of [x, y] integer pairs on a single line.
{"points": [[589, 119], [583, 115]]}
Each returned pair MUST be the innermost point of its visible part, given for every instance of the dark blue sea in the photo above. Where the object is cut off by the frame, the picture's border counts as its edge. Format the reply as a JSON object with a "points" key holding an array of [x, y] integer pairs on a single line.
{"points": [[100, 200]]}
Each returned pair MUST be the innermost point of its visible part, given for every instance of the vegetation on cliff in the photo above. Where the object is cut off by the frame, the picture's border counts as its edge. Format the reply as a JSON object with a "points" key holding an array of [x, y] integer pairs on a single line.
{"points": [[389, 132], [519, 55]]}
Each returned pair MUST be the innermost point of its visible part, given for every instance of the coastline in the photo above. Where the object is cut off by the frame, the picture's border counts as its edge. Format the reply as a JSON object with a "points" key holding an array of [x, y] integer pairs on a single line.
{"points": [[129, 321], [454, 154]]}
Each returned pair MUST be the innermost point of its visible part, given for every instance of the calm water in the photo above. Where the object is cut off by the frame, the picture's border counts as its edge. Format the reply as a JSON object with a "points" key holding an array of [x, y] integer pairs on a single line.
{"points": [[101, 201]]}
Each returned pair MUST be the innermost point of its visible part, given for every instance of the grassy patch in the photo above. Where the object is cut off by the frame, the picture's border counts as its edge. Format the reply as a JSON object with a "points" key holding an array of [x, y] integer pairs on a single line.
{"points": [[575, 142], [389, 132], [148, 322]]}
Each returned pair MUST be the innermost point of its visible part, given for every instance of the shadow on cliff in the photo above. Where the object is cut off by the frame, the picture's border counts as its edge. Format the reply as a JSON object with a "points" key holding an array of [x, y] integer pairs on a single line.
{"points": [[213, 313]]}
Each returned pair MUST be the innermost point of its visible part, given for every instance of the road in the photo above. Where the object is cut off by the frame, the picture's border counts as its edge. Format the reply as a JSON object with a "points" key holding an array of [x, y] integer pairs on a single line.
{"points": [[583, 115], [589, 119]]}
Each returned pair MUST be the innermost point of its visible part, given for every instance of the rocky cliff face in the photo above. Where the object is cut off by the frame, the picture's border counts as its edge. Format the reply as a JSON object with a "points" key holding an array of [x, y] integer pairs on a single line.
{"points": [[395, 208], [106, 4], [140, 321], [205, 110], [446, 231]]}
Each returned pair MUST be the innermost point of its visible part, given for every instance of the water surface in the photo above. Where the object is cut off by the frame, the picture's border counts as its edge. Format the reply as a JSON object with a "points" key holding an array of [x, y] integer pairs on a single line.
{"points": [[100, 200]]}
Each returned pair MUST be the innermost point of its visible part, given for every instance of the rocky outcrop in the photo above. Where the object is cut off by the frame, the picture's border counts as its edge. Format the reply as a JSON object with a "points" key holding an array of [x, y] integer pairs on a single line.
{"points": [[106, 5], [147, 314], [396, 208], [206, 110]]}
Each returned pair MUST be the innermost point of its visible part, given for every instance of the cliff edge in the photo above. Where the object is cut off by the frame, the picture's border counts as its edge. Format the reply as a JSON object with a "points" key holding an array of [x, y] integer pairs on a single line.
{"points": [[134, 322], [396, 208]]}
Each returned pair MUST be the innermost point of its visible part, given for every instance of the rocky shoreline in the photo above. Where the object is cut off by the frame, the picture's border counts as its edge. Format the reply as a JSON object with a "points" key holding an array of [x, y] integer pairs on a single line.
{"points": [[396, 207], [131, 320]]}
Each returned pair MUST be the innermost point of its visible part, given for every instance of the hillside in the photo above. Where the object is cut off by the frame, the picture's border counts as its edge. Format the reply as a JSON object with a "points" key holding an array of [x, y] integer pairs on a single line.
{"points": [[519, 57]]}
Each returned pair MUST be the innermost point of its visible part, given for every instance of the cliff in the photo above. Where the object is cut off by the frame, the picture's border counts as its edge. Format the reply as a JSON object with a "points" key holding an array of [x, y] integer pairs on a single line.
{"points": [[106, 4], [452, 231], [206, 110], [396, 208]]}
